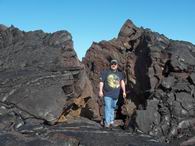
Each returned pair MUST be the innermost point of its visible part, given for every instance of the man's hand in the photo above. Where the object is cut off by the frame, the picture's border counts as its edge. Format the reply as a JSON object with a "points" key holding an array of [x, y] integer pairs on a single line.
{"points": [[101, 94], [124, 94]]}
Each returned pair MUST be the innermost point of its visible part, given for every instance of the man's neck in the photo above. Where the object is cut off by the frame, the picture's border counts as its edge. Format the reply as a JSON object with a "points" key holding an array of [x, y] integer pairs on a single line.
{"points": [[113, 70]]}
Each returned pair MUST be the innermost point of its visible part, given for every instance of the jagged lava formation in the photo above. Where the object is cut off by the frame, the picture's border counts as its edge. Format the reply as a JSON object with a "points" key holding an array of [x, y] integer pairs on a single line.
{"points": [[49, 97]]}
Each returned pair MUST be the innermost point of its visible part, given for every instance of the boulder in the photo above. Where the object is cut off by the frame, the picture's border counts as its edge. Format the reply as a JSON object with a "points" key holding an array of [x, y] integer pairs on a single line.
{"points": [[39, 72]]}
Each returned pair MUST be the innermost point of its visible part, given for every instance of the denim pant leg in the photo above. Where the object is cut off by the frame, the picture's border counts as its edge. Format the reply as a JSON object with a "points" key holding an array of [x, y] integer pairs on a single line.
{"points": [[114, 101], [107, 110], [109, 107]]}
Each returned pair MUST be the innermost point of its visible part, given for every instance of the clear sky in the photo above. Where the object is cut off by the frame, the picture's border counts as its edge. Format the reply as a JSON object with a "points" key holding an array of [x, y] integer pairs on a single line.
{"points": [[96, 20]]}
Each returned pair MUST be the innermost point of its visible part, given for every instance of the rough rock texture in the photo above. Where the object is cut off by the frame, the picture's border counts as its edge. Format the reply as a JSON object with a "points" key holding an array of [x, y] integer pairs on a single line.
{"points": [[42, 82], [39, 72], [159, 76]]}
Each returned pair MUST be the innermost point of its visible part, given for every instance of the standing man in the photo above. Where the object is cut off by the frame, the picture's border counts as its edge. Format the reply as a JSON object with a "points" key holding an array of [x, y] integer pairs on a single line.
{"points": [[111, 81]]}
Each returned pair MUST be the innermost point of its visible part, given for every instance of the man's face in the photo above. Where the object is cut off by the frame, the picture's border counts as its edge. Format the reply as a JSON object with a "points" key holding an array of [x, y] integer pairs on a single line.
{"points": [[114, 66]]}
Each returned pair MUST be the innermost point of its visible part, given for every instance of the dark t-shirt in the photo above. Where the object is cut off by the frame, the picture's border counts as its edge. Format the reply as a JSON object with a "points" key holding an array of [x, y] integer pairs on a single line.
{"points": [[111, 82]]}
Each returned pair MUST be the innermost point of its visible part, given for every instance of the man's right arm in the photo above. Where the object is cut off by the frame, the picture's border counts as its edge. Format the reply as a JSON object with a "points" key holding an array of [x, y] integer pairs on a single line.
{"points": [[101, 85]]}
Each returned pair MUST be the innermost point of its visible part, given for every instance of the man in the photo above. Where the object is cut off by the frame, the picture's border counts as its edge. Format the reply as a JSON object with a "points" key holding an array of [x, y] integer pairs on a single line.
{"points": [[111, 81]]}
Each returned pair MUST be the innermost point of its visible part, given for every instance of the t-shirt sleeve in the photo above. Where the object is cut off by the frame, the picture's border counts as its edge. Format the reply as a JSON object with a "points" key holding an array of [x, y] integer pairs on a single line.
{"points": [[122, 76], [102, 76]]}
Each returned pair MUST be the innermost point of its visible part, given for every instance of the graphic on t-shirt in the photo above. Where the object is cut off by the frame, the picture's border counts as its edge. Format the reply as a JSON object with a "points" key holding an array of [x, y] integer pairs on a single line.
{"points": [[113, 81]]}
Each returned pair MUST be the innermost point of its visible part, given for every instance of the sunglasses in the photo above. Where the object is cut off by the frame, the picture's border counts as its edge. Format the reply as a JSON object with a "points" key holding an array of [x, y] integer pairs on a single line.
{"points": [[113, 63]]}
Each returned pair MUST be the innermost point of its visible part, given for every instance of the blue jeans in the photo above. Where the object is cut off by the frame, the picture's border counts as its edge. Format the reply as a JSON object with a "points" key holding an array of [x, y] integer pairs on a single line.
{"points": [[109, 108]]}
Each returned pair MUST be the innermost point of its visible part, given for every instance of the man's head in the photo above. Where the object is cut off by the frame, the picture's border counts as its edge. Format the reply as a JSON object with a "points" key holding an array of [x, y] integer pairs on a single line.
{"points": [[114, 64]]}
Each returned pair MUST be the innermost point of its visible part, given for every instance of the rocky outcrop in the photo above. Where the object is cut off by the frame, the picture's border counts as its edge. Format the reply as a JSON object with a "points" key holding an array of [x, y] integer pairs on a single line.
{"points": [[159, 76], [41, 82], [45, 89], [40, 72]]}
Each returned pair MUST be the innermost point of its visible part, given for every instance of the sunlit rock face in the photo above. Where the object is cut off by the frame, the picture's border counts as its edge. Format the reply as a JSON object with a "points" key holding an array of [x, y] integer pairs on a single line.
{"points": [[42, 82], [39, 72], [159, 76]]}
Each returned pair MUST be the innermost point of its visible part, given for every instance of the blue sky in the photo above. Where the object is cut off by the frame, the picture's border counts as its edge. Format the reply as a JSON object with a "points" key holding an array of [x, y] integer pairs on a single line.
{"points": [[96, 20]]}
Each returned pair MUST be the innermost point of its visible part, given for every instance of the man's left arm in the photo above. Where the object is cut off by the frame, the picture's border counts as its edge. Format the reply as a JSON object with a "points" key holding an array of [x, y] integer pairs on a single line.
{"points": [[123, 88]]}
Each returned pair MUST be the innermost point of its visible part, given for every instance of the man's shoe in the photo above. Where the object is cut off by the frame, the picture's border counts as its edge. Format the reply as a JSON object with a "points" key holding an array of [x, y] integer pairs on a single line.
{"points": [[110, 127], [106, 127]]}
